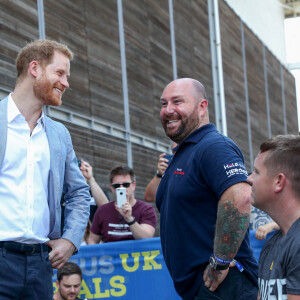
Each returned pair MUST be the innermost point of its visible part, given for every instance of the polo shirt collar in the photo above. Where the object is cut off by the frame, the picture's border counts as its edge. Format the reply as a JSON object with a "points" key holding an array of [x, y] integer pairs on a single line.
{"points": [[199, 133]]}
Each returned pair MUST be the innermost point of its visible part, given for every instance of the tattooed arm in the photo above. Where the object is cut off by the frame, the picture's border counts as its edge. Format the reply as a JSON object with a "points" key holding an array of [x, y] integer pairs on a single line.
{"points": [[232, 222]]}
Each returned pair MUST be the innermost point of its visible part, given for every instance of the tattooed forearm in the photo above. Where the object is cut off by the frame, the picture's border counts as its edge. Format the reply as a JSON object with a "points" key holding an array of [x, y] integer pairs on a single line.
{"points": [[230, 230]]}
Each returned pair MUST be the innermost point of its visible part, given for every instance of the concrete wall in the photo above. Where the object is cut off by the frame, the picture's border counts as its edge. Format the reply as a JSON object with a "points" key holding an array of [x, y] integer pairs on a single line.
{"points": [[266, 19]]}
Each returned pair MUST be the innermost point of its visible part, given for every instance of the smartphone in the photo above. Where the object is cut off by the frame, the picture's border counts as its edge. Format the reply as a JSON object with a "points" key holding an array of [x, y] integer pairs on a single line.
{"points": [[121, 196], [169, 157], [79, 162]]}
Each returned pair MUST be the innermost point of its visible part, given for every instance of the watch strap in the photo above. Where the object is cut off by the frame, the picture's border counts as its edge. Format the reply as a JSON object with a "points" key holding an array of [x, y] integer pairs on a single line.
{"points": [[222, 261], [217, 265], [158, 175], [132, 222]]}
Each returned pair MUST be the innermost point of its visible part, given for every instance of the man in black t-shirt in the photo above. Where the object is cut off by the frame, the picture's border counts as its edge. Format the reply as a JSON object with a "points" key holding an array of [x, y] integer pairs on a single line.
{"points": [[276, 190]]}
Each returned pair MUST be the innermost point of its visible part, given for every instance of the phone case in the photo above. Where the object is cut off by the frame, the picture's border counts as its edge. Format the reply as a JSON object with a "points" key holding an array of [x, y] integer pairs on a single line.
{"points": [[169, 157], [121, 196]]}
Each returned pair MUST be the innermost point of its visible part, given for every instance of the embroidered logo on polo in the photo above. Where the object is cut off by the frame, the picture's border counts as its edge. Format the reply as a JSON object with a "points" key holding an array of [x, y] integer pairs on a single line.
{"points": [[179, 172], [228, 166], [235, 169]]}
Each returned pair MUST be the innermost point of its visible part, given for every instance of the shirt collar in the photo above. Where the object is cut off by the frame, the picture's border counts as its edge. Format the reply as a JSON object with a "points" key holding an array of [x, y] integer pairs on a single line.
{"points": [[42, 119], [199, 133], [13, 112]]}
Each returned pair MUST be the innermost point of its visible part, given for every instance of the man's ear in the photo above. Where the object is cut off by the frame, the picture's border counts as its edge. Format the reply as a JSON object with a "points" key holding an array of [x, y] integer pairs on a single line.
{"points": [[57, 285], [133, 185], [203, 104], [279, 181], [33, 68], [202, 109]]}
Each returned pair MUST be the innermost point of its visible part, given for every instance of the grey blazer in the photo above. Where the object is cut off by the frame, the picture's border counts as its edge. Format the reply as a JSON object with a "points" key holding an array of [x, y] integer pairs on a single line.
{"points": [[64, 176]]}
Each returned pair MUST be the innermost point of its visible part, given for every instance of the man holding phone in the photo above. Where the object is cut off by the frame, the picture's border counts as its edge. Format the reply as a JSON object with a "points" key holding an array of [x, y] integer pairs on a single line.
{"points": [[133, 219], [163, 162], [204, 202]]}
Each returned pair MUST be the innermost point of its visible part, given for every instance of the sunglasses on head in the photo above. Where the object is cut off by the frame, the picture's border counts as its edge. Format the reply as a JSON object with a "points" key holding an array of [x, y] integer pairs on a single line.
{"points": [[124, 184]]}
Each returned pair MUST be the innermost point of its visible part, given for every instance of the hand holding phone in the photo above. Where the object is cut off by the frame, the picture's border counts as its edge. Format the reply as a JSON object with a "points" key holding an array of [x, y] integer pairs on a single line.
{"points": [[169, 157], [121, 196], [79, 162]]}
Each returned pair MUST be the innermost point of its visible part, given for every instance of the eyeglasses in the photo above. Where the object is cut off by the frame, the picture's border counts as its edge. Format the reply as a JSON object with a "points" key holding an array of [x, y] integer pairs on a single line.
{"points": [[124, 184]]}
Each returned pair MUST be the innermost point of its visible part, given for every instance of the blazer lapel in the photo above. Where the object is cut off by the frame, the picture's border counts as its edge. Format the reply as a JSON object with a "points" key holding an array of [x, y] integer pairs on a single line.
{"points": [[54, 181], [3, 128]]}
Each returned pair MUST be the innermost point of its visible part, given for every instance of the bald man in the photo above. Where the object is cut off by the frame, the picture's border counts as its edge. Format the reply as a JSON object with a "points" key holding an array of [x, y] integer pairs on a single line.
{"points": [[204, 202]]}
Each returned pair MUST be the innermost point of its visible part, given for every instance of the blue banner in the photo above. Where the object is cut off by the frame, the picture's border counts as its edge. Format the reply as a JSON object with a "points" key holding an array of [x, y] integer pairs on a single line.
{"points": [[132, 270]]}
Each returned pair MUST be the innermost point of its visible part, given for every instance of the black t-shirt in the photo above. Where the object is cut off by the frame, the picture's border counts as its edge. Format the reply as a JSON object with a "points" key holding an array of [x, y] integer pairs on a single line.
{"points": [[279, 265]]}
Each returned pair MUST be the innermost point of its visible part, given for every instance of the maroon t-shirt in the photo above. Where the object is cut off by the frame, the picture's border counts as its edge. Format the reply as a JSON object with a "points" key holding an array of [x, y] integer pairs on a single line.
{"points": [[111, 226]]}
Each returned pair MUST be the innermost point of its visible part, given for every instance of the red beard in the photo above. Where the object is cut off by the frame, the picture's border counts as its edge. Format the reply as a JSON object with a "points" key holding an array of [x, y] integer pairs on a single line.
{"points": [[44, 91]]}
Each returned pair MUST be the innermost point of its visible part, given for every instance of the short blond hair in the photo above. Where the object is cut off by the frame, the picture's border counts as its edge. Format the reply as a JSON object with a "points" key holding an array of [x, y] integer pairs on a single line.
{"points": [[42, 51]]}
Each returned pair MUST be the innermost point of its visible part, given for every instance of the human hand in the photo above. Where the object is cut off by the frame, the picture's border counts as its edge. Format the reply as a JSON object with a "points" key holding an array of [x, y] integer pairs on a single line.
{"points": [[162, 164], [262, 231], [213, 278], [125, 211], [86, 170], [62, 249]]}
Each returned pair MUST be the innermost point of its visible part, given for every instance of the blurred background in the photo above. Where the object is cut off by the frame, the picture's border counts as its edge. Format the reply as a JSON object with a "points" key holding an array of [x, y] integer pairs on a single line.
{"points": [[246, 53]]}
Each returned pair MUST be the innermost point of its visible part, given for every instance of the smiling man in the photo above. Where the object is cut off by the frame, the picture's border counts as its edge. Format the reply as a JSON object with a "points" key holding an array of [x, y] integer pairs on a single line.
{"points": [[134, 220], [37, 164], [204, 202]]}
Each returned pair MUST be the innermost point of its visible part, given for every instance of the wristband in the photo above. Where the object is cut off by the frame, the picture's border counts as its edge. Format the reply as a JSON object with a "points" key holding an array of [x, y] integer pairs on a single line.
{"points": [[222, 261], [216, 265], [225, 262], [158, 175], [132, 222], [238, 265]]}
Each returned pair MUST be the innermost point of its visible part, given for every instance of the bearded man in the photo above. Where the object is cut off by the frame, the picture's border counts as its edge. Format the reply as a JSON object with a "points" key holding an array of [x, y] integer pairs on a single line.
{"points": [[68, 282], [37, 164], [204, 202]]}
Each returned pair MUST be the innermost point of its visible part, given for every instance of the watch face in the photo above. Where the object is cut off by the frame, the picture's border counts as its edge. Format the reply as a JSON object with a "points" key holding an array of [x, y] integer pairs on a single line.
{"points": [[214, 264]]}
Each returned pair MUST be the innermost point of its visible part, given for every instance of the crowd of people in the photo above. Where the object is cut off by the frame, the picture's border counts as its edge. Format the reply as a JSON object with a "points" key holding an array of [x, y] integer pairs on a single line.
{"points": [[51, 204]]}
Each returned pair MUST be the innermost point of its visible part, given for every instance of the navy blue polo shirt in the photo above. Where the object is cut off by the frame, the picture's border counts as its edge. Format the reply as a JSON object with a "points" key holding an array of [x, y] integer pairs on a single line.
{"points": [[203, 167]]}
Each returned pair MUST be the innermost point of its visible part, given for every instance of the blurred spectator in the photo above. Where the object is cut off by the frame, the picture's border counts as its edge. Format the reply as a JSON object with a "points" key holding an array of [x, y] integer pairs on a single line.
{"points": [[258, 218], [96, 191], [98, 196], [163, 162], [135, 220], [86, 233], [262, 231], [68, 282]]}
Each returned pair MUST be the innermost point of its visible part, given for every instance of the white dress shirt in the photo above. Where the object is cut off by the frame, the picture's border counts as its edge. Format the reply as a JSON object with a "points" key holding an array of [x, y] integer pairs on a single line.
{"points": [[24, 211]]}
